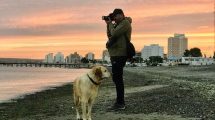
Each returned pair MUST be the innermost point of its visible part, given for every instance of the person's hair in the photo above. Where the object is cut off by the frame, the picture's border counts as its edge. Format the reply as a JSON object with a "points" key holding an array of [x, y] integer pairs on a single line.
{"points": [[118, 11]]}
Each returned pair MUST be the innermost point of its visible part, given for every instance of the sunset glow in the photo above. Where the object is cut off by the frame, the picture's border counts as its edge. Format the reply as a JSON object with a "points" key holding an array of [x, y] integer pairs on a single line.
{"points": [[32, 29]]}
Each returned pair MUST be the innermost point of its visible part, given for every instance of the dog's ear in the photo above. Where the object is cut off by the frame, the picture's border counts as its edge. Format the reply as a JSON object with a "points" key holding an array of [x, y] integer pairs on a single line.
{"points": [[98, 72]]}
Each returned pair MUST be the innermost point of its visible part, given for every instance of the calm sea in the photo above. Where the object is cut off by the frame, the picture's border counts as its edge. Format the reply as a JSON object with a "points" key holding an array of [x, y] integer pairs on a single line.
{"points": [[18, 81]]}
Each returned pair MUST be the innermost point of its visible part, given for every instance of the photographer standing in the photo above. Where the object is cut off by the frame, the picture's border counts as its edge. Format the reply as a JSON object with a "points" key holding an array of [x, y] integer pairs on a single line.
{"points": [[118, 33]]}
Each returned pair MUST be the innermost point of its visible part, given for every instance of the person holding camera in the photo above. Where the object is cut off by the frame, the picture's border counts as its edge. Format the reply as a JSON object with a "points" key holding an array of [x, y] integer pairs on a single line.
{"points": [[118, 33]]}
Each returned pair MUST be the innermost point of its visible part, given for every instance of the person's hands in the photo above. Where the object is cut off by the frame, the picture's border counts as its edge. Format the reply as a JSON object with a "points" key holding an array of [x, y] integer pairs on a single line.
{"points": [[108, 21]]}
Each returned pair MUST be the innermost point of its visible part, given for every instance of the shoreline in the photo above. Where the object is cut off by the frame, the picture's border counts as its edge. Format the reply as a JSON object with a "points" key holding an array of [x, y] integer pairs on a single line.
{"points": [[16, 82], [151, 93], [22, 96]]}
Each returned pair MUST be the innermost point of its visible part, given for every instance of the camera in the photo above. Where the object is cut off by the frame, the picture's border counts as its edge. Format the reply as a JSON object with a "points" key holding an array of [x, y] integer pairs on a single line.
{"points": [[109, 17]]}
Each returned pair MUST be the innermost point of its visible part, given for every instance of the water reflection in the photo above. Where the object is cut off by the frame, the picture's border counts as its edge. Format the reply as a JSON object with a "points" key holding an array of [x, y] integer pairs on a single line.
{"points": [[17, 81]]}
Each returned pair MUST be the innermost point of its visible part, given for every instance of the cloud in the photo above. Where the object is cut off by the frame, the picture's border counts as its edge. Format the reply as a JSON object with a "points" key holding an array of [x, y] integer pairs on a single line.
{"points": [[41, 22], [52, 22], [64, 24], [175, 23], [57, 17], [52, 30]]}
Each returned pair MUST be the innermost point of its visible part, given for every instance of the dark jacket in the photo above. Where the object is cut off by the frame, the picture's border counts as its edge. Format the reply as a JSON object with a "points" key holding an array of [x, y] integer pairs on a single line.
{"points": [[117, 40]]}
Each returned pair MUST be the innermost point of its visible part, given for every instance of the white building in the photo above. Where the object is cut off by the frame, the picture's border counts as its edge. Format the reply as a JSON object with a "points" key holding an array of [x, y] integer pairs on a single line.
{"points": [[59, 58], [152, 50], [177, 46], [90, 56], [197, 61], [49, 58], [106, 56]]}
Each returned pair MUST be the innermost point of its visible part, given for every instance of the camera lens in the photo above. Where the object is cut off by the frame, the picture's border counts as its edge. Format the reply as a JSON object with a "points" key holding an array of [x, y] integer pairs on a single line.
{"points": [[105, 17]]}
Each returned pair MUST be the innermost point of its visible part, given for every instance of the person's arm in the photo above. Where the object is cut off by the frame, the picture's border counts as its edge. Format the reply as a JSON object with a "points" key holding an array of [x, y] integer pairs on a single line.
{"points": [[108, 22], [119, 30], [108, 32]]}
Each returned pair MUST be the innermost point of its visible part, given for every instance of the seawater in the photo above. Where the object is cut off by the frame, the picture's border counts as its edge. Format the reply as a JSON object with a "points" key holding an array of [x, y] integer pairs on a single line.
{"points": [[16, 82]]}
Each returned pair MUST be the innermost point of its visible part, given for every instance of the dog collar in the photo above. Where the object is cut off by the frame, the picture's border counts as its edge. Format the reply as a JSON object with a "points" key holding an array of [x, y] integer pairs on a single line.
{"points": [[92, 80]]}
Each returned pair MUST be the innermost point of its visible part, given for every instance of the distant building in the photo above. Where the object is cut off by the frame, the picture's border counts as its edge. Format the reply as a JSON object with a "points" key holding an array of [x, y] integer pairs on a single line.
{"points": [[59, 58], [152, 50], [49, 58], [73, 58], [105, 56], [177, 46], [197, 61], [90, 56]]}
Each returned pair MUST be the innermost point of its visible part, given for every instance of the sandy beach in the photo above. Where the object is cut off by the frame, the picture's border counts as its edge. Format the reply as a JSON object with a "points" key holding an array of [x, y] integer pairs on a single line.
{"points": [[152, 93]]}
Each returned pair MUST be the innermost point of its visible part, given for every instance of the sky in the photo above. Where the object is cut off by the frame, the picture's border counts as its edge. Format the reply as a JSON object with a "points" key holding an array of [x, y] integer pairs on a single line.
{"points": [[34, 28]]}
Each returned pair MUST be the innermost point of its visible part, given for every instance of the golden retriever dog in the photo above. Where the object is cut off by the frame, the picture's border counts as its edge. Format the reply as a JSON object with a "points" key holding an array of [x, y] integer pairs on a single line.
{"points": [[85, 90]]}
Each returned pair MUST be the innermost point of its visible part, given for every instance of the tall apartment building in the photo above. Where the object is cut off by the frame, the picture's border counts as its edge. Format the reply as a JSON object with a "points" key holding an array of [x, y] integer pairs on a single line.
{"points": [[106, 56], [59, 58], [177, 46], [90, 56], [49, 58], [152, 50], [73, 58]]}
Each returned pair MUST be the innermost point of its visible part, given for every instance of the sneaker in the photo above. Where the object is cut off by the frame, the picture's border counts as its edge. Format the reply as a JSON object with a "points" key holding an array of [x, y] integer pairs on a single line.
{"points": [[117, 107]]}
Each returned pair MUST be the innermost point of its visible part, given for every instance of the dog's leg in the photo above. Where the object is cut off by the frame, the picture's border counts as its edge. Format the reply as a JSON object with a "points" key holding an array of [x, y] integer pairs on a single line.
{"points": [[77, 114], [84, 109], [77, 104], [90, 104]]}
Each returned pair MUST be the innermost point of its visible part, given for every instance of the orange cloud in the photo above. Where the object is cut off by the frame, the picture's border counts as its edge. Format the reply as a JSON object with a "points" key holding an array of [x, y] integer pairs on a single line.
{"points": [[69, 26]]}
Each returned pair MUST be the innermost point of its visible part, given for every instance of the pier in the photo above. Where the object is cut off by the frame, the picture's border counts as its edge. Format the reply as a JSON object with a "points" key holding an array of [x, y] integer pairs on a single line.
{"points": [[59, 65]]}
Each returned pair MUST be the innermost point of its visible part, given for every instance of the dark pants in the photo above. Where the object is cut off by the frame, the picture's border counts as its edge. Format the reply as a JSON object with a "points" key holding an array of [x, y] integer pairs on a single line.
{"points": [[118, 63]]}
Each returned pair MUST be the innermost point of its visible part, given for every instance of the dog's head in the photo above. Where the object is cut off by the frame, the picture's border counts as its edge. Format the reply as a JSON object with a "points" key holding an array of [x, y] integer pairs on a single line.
{"points": [[101, 72]]}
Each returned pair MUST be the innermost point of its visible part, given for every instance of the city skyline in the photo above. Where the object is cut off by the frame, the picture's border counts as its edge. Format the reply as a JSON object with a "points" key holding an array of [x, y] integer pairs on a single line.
{"points": [[31, 29]]}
